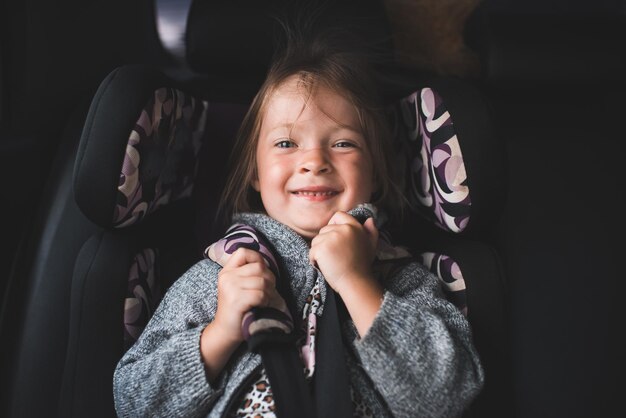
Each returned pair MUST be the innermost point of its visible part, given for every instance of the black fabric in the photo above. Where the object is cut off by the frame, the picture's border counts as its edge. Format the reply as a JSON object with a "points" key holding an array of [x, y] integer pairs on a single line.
{"points": [[102, 268], [114, 110], [36, 307], [483, 150], [99, 287], [257, 341], [236, 38], [171, 231], [289, 387], [331, 391], [280, 357], [223, 119], [332, 386], [561, 246], [559, 50], [279, 352], [96, 320], [488, 313]]}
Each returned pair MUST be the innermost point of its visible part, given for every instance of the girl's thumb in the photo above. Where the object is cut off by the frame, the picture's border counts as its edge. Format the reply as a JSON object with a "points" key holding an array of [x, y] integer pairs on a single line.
{"points": [[372, 231]]}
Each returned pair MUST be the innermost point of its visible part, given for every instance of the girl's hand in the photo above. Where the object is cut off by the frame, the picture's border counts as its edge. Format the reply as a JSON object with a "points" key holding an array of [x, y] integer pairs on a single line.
{"points": [[344, 251], [244, 282]]}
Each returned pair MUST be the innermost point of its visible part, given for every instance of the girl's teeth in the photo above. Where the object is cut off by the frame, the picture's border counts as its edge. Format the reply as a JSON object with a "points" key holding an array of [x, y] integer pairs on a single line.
{"points": [[316, 193]]}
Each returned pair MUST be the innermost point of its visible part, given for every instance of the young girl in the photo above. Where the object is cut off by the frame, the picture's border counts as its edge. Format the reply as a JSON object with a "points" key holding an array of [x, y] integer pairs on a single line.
{"points": [[311, 148]]}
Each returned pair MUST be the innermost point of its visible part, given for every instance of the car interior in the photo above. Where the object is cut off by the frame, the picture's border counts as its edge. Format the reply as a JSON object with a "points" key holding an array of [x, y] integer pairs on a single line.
{"points": [[116, 124]]}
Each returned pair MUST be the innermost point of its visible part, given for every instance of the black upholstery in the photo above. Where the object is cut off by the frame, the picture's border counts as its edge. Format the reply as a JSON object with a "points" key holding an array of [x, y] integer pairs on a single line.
{"points": [[93, 259], [475, 248], [99, 287], [488, 313], [34, 324], [101, 272], [96, 314], [102, 266], [558, 92], [554, 73], [113, 114]]}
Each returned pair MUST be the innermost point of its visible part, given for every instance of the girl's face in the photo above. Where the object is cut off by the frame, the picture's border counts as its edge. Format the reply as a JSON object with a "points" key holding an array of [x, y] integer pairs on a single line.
{"points": [[312, 158]]}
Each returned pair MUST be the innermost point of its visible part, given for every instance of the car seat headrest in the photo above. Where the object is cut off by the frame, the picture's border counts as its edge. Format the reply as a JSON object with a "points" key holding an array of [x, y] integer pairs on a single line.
{"points": [[451, 161], [237, 38], [138, 147], [228, 38], [141, 149]]}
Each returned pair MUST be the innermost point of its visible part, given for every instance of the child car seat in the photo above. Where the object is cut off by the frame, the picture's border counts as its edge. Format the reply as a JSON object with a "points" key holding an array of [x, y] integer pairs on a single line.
{"points": [[454, 164], [133, 177], [146, 143], [144, 126]]}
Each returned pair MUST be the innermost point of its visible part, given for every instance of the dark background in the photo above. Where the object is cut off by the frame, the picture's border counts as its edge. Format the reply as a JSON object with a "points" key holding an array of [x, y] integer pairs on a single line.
{"points": [[554, 73]]}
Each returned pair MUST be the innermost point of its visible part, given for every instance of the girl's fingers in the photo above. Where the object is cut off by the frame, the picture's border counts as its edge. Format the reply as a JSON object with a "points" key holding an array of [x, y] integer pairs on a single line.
{"points": [[257, 269], [253, 283], [372, 231], [243, 256], [343, 218], [251, 298], [329, 229]]}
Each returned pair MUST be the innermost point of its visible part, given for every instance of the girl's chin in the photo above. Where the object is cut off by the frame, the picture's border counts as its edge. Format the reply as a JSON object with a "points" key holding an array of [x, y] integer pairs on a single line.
{"points": [[305, 226], [308, 231]]}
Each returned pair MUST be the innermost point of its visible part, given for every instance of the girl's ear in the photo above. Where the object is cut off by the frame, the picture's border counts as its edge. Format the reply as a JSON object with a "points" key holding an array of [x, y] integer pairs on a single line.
{"points": [[255, 184]]}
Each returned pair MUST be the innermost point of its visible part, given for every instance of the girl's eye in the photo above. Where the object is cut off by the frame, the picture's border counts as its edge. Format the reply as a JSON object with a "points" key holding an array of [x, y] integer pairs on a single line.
{"points": [[285, 143], [344, 144]]}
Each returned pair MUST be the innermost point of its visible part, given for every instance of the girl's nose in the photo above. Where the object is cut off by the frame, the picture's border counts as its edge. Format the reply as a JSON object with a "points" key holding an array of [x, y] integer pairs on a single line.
{"points": [[316, 161]]}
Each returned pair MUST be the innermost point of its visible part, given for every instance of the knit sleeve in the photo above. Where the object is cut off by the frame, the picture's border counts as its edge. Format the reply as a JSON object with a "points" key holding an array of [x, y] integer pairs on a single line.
{"points": [[162, 374], [419, 351]]}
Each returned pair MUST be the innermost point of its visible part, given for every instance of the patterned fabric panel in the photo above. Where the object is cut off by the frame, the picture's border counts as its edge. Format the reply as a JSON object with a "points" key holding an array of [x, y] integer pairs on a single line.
{"points": [[241, 236], [274, 317], [160, 162], [436, 181], [142, 295], [310, 313], [450, 276], [258, 401]]}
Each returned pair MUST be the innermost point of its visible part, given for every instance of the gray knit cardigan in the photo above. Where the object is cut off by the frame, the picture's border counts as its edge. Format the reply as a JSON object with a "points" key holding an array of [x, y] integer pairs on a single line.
{"points": [[416, 360]]}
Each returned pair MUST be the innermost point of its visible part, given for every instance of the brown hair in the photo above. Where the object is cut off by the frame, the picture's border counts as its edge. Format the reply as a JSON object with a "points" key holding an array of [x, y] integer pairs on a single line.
{"points": [[319, 62]]}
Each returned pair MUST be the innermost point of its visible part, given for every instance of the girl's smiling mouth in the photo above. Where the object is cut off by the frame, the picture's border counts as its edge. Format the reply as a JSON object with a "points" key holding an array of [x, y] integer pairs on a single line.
{"points": [[316, 193]]}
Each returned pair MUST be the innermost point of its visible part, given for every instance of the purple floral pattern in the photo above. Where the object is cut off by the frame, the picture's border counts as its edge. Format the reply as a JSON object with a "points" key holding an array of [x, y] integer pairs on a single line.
{"points": [[160, 161], [433, 166], [142, 296], [450, 276]]}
